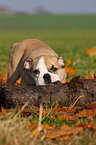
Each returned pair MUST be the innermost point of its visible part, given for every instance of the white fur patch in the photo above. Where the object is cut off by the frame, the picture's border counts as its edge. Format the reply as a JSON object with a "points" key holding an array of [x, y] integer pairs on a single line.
{"points": [[43, 70]]}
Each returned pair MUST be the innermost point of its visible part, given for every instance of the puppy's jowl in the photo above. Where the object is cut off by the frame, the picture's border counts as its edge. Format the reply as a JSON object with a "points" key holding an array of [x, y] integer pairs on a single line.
{"points": [[36, 63]]}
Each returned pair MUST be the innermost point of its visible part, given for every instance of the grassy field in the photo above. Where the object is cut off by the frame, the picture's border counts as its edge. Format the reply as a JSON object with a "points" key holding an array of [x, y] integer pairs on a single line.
{"points": [[69, 36]]}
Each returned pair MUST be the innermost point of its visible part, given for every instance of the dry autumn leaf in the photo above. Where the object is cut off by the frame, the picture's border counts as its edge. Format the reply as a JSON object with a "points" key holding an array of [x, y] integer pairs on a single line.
{"points": [[86, 113], [88, 124], [95, 126], [3, 79], [67, 117], [91, 105], [48, 127], [66, 137], [68, 62], [93, 76], [91, 51], [64, 130], [70, 70], [32, 126], [3, 111]]}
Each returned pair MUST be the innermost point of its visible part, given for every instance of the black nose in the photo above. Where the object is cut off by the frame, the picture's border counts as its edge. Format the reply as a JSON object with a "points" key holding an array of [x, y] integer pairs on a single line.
{"points": [[47, 78]]}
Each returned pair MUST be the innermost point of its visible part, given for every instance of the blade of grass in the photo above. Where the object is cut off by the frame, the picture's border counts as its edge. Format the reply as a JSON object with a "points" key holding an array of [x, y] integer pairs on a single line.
{"points": [[71, 106], [23, 107], [39, 125]]}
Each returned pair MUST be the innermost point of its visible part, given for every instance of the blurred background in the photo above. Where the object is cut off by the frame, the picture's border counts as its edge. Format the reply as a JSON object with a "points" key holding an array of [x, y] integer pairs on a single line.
{"points": [[50, 6], [68, 26]]}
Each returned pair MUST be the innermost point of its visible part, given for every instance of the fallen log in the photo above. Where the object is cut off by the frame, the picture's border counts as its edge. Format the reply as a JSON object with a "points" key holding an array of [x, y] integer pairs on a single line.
{"points": [[64, 94]]}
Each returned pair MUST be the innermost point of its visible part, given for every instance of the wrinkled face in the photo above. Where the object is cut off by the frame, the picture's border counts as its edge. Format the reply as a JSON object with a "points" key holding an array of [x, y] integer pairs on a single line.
{"points": [[46, 69]]}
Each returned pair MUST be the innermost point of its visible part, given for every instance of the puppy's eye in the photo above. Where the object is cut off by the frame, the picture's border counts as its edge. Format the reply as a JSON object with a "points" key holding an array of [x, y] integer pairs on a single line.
{"points": [[54, 68], [36, 71], [63, 66]]}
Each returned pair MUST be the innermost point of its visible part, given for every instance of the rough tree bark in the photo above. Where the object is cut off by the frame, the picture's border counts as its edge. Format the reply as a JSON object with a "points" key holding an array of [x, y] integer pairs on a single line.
{"points": [[64, 94]]}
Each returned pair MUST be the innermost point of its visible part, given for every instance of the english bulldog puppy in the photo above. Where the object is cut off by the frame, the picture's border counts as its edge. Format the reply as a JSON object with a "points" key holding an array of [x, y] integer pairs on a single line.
{"points": [[36, 63]]}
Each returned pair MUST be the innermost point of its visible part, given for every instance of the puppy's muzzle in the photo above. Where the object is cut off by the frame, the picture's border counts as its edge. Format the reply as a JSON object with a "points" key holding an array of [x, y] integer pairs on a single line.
{"points": [[47, 78]]}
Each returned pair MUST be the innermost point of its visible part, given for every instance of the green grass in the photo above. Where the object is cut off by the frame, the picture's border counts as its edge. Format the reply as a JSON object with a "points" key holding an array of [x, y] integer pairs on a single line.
{"points": [[68, 35]]}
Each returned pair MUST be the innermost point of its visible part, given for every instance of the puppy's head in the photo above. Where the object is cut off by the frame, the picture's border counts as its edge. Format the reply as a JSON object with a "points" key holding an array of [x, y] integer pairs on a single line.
{"points": [[46, 69]]}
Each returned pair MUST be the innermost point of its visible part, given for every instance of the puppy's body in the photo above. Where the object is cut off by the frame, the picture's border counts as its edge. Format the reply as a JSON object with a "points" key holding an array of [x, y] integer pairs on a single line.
{"points": [[31, 55]]}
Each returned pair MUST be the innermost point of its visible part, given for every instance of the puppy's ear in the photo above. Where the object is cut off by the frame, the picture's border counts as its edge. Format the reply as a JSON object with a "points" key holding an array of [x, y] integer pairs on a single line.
{"points": [[28, 63], [61, 62]]}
